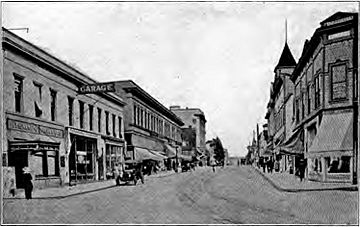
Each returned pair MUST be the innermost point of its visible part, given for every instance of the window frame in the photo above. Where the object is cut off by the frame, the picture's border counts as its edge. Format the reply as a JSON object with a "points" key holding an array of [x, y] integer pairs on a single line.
{"points": [[71, 110], [345, 81], [19, 104], [53, 106]]}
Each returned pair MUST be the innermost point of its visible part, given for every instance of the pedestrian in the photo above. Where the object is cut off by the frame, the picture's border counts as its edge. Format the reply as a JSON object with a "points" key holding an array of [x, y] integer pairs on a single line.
{"points": [[264, 165], [302, 166], [116, 174], [27, 183], [139, 174]]}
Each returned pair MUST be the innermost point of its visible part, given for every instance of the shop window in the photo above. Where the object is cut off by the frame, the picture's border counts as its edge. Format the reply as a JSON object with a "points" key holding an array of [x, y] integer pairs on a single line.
{"points": [[45, 163], [338, 82], [339, 164], [53, 94], [81, 112], [71, 110]]}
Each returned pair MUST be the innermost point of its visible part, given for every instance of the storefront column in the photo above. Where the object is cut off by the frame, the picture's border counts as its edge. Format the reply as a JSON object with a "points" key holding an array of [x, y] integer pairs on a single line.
{"points": [[324, 168]]}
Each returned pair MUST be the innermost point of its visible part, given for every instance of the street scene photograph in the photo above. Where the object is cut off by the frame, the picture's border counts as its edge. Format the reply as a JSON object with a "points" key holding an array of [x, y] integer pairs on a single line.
{"points": [[179, 113]]}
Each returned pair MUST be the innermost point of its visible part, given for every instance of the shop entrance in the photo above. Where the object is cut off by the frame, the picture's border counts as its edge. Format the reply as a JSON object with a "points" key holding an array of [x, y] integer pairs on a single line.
{"points": [[19, 159], [82, 159]]}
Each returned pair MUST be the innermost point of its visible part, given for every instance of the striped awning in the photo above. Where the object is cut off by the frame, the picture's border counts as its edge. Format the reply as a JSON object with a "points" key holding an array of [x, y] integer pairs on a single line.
{"points": [[335, 133]]}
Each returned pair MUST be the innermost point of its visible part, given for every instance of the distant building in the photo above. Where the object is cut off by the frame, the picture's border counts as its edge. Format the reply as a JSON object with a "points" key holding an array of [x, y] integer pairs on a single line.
{"points": [[151, 130], [193, 131]]}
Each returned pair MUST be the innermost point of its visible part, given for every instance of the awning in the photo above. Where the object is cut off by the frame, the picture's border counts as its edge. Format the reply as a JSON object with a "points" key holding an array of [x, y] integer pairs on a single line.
{"points": [[170, 151], [145, 154], [295, 144], [157, 154], [335, 133]]}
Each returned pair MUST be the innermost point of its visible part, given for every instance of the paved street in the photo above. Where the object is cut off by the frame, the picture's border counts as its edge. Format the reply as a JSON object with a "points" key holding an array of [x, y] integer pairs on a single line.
{"points": [[233, 195]]}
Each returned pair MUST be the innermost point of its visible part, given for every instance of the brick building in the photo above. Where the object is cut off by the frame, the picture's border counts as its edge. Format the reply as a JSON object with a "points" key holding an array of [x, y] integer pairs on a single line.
{"points": [[324, 98], [193, 131], [151, 130], [63, 136]]}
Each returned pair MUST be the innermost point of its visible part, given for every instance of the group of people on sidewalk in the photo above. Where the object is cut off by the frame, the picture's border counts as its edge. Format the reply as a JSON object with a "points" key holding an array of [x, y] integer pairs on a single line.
{"points": [[268, 165]]}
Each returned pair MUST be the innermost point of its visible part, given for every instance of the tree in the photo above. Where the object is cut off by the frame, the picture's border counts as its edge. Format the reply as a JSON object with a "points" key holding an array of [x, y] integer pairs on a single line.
{"points": [[219, 151]]}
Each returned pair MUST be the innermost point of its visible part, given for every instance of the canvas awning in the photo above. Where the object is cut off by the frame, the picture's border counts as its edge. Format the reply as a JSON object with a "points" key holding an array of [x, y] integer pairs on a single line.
{"points": [[170, 151], [157, 154], [335, 133], [295, 144], [145, 154]]}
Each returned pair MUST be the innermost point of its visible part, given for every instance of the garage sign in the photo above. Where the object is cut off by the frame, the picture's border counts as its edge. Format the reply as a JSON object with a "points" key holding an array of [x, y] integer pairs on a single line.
{"points": [[97, 88]]}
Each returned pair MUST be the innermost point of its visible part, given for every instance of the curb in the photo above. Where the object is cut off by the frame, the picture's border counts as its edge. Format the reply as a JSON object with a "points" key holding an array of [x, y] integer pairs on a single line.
{"points": [[82, 192], [277, 187]]}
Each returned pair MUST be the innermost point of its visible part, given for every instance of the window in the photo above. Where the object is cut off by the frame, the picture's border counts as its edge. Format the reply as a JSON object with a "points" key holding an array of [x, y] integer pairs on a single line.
{"points": [[114, 125], [309, 98], [45, 163], [302, 105], [91, 116], [134, 114], [120, 122], [53, 94], [317, 92], [338, 164], [18, 89], [99, 119], [338, 82], [38, 98], [297, 107], [107, 122], [81, 106], [71, 110]]}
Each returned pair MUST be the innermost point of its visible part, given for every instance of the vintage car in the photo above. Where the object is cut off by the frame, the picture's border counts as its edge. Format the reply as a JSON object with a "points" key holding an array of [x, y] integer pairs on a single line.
{"points": [[131, 171]]}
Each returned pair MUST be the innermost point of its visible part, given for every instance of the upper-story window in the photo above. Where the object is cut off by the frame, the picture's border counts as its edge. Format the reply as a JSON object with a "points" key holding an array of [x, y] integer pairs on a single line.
{"points": [[91, 116], [297, 107], [308, 98], [302, 105], [53, 94], [81, 112], [120, 126], [114, 125], [71, 110], [18, 91], [338, 82], [38, 99], [135, 114], [107, 122], [317, 92], [338, 35], [99, 120]]}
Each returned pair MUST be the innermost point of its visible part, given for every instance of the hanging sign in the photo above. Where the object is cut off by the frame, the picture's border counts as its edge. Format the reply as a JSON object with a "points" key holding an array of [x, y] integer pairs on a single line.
{"points": [[97, 88]]}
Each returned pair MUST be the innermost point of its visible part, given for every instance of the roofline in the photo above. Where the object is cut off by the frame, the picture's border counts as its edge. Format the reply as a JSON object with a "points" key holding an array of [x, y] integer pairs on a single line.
{"points": [[58, 65], [315, 39], [135, 87]]}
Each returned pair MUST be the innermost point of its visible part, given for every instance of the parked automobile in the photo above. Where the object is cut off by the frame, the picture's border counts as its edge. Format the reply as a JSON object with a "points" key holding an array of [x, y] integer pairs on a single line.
{"points": [[132, 171]]}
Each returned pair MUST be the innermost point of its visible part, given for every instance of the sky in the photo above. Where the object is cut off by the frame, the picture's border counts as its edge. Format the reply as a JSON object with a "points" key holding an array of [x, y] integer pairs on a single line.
{"points": [[216, 56]]}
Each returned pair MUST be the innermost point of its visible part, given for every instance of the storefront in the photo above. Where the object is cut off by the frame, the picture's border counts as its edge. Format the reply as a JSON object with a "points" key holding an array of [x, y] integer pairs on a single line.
{"points": [[291, 151], [82, 158], [114, 155], [330, 155]]}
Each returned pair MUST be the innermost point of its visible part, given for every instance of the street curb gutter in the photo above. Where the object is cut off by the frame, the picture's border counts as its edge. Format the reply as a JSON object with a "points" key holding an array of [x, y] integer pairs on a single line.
{"points": [[277, 187], [82, 192]]}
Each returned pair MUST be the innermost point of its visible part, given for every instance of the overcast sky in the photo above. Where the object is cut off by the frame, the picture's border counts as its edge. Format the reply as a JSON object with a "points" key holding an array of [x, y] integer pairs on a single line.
{"points": [[218, 57]]}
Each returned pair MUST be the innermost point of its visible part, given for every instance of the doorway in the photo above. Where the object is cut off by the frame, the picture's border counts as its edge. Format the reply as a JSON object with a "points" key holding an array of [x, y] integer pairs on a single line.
{"points": [[19, 159]]}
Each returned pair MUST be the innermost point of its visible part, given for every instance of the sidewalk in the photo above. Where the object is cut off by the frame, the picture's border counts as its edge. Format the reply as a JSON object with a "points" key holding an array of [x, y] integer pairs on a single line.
{"points": [[290, 183], [67, 191]]}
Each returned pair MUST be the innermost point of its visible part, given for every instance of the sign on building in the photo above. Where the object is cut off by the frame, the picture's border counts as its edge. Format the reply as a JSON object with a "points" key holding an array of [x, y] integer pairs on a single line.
{"points": [[97, 88]]}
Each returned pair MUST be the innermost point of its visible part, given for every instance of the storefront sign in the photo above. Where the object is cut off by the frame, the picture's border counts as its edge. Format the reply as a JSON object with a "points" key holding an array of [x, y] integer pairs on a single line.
{"points": [[97, 88], [339, 21], [34, 128]]}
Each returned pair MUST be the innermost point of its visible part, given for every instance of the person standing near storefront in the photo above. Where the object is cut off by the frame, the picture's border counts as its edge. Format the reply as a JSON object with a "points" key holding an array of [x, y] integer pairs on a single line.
{"points": [[302, 167], [28, 183]]}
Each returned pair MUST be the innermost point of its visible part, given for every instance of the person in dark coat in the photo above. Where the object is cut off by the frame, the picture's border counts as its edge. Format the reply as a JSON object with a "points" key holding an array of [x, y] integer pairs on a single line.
{"points": [[302, 167], [27, 183], [139, 174]]}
